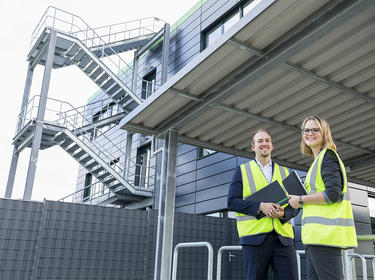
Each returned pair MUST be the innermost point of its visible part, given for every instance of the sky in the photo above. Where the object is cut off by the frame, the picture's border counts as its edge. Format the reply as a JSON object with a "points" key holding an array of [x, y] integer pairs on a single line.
{"points": [[56, 173]]}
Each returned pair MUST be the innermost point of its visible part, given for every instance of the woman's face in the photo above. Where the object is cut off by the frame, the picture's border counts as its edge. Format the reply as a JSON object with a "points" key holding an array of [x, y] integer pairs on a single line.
{"points": [[312, 135]]}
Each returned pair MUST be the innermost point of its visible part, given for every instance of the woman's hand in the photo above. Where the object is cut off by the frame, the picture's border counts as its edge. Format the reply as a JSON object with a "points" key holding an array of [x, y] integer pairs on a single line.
{"points": [[294, 201]]}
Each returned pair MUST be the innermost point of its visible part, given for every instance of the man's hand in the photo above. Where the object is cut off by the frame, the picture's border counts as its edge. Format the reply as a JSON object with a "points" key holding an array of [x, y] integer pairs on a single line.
{"points": [[294, 201], [270, 209]]}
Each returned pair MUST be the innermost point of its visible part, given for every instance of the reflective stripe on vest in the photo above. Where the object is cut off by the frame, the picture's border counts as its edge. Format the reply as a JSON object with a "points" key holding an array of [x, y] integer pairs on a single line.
{"points": [[254, 180], [327, 224]]}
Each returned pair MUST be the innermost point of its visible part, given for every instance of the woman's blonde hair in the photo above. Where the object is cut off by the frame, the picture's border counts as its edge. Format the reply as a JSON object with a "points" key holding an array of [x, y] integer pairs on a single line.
{"points": [[326, 133]]}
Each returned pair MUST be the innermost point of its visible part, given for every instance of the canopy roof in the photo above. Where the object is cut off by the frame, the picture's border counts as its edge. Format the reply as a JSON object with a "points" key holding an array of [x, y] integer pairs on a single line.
{"points": [[283, 61]]}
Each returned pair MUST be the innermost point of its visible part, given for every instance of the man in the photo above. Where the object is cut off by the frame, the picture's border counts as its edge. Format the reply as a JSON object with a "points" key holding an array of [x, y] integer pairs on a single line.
{"points": [[269, 240]]}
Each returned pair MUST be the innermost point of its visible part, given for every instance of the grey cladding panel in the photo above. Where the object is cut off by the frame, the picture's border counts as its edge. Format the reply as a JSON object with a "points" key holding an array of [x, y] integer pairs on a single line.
{"points": [[358, 197], [186, 178], [361, 214], [186, 168], [185, 189], [211, 206], [216, 168], [219, 179], [184, 148], [186, 157], [213, 158], [212, 193]]}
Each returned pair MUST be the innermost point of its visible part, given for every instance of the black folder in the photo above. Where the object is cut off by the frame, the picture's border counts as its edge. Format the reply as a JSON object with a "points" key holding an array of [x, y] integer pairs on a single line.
{"points": [[293, 184], [270, 193]]}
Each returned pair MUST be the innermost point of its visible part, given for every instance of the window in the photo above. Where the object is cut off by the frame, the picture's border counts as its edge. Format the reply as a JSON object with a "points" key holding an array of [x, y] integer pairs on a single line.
{"points": [[106, 112], [148, 84], [202, 152], [142, 169], [87, 189], [226, 22]]}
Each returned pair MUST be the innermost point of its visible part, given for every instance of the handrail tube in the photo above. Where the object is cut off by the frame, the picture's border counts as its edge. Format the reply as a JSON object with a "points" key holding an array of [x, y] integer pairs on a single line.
{"points": [[193, 244], [299, 252], [363, 262], [219, 256]]}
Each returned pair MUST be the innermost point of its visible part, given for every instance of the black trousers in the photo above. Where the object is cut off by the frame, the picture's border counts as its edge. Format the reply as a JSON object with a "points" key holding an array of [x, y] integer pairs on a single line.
{"points": [[323, 263], [271, 252]]}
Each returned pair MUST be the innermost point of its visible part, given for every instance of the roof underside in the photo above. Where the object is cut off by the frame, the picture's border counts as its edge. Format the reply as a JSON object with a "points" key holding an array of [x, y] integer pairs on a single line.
{"points": [[271, 70]]}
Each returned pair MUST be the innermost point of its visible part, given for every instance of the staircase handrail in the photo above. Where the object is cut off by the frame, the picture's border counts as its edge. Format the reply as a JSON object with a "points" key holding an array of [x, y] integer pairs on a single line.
{"points": [[121, 66], [71, 120]]}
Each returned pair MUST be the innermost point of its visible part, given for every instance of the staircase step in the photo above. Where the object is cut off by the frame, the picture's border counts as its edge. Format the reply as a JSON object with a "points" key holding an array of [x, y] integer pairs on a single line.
{"points": [[108, 84], [79, 153], [72, 148], [96, 73], [113, 90], [73, 50], [101, 79], [66, 143], [119, 94], [109, 180], [84, 61], [97, 169], [103, 175], [78, 56], [116, 185], [84, 159], [89, 68], [91, 164]]}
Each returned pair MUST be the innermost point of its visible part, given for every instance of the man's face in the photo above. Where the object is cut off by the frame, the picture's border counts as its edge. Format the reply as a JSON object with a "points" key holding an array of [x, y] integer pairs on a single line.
{"points": [[262, 146]]}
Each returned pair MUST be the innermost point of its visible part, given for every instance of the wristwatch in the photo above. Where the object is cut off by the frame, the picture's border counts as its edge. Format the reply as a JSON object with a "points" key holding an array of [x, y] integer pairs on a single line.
{"points": [[300, 200]]}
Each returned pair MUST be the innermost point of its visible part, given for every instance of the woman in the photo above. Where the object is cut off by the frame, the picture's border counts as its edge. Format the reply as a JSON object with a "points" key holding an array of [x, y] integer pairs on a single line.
{"points": [[327, 220]]}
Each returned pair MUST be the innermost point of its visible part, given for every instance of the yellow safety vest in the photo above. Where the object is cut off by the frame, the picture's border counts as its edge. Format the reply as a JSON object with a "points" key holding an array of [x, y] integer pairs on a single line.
{"points": [[254, 180], [327, 224]]}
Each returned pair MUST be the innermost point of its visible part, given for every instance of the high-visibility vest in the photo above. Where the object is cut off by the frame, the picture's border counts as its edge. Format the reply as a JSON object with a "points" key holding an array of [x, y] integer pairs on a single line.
{"points": [[254, 180], [327, 224]]}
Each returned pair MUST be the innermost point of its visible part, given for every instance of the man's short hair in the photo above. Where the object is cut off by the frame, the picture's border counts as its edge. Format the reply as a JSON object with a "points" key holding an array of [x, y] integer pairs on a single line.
{"points": [[259, 130]]}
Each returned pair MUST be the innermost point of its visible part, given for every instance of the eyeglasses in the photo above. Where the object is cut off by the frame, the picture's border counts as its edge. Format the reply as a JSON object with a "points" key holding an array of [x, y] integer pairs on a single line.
{"points": [[312, 130]]}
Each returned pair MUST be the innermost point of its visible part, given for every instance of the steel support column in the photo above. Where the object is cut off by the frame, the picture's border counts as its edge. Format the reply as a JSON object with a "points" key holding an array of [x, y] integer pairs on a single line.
{"points": [[40, 117], [129, 141], [164, 65], [167, 196], [135, 72], [14, 162]]}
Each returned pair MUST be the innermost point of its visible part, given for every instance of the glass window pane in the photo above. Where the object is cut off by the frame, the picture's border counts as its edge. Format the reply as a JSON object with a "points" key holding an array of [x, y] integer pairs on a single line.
{"points": [[231, 21], [213, 35], [247, 7]]}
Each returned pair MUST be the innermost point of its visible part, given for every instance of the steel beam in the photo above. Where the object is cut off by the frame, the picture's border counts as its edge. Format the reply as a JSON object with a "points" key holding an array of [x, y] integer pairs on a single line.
{"points": [[40, 117], [314, 76], [165, 55]]}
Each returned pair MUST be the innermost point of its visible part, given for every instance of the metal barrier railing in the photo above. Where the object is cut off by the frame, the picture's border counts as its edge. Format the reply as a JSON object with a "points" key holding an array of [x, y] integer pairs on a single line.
{"points": [[299, 252], [219, 256], [192, 245], [363, 262]]}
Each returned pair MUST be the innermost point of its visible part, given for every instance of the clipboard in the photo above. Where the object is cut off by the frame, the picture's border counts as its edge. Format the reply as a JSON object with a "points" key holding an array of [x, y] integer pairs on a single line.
{"points": [[294, 185]]}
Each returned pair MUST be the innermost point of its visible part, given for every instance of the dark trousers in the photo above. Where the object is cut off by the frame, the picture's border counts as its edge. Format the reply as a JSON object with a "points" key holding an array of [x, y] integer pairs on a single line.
{"points": [[271, 252], [323, 263]]}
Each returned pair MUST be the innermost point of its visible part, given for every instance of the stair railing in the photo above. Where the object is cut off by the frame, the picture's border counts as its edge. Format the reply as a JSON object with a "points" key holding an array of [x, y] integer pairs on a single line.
{"points": [[75, 26], [63, 114]]}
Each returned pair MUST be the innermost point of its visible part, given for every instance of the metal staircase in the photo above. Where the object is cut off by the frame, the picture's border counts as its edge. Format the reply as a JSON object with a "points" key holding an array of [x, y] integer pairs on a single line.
{"points": [[84, 140], [96, 51]]}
